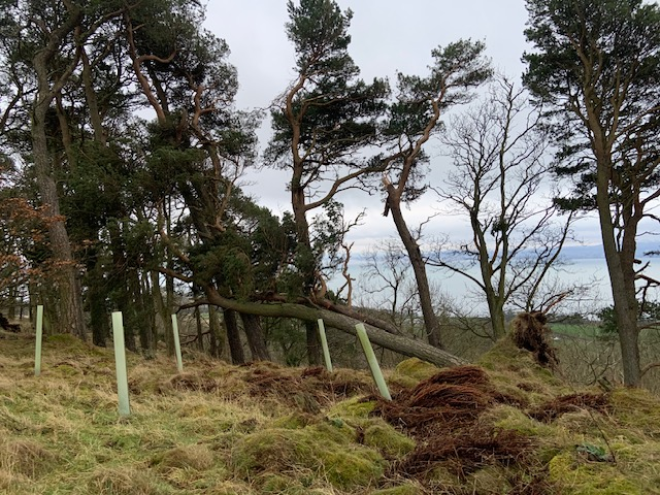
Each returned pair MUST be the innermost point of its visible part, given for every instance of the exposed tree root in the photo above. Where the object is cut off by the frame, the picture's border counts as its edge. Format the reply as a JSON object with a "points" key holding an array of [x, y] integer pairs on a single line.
{"points": [[529, 331]]}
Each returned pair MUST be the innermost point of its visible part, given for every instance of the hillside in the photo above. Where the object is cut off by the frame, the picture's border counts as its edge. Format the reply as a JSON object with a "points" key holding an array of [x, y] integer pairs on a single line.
{"points": [[507, 426]]}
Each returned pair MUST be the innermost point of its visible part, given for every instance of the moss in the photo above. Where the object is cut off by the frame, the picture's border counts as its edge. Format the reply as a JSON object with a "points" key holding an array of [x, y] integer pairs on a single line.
{"points": [[441, 476], [506, 356], [325, 449], [287, 485], [579, 477], [581, 422], [294, 420], [412, 371], [387, 440], [406, 489], [230, 488], [273, 483], [354, 408], [374, 431], [511, 418], [67, 369], [488, 480]]}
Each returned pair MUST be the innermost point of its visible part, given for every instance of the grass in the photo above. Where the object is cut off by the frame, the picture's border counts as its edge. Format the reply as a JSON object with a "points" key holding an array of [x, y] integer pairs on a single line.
{"points": [[585, 330], [219, 429]]}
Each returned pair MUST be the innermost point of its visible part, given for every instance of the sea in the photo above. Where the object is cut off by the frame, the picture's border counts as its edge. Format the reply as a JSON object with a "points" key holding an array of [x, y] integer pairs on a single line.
{"points": [[584, 279]]}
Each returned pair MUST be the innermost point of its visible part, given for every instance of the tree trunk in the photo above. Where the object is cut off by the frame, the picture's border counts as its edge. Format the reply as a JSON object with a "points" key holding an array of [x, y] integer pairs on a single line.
{"points": [[398, 343], [431, 321], [12, 303], [215, 329], [233, 336], [200, 330], [168, 307], [66, 281], [495, 310], [622, 278], [98, 314], [626, 311], [255, 337], [144, 310], [49, 83], [306, 264], [161, 310]]}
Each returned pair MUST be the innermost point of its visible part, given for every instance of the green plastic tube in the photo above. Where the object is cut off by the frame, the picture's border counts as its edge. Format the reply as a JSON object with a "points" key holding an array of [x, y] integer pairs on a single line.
{"points": [[40, 335], [324, 344], [120, 362], [376, 373], [177, 343]]}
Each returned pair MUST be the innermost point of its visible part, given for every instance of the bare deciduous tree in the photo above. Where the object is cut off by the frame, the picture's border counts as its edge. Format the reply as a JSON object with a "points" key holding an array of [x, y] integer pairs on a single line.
{"points": [[498, 171]]}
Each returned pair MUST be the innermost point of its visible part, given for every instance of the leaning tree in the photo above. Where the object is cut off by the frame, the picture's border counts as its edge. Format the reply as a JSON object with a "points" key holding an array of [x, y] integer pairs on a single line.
{"points": [[323, 125], [414, 118]]}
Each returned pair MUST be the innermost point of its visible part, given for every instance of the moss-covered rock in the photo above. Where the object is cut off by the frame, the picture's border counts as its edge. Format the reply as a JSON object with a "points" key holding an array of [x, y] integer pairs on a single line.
{"points": [[294, 420], [382, 436], [505, 417], [354, 408], [505, 355], [326, 449], [412, 371]]}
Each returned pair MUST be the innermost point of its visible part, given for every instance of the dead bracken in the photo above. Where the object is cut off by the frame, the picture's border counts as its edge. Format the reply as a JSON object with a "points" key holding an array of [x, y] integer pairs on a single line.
{"points": [[442, 414], [551, 410]]}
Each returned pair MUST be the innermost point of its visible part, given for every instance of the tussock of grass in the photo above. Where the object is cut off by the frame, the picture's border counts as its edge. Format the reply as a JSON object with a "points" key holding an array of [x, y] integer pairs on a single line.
{"points": [[195, 457], [326, 449], [120, 481], [25, 458]]}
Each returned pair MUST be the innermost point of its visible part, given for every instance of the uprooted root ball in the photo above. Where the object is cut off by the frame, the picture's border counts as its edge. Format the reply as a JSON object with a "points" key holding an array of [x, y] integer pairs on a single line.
{"points": [[529, 331]]}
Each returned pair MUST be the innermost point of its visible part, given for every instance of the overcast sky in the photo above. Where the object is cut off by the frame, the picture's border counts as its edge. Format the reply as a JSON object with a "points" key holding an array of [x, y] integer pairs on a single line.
{"points": [[387, 36]]}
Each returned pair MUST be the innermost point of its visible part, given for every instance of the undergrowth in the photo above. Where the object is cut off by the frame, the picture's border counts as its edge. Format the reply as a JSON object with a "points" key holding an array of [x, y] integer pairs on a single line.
{"points": [[505, 426]]}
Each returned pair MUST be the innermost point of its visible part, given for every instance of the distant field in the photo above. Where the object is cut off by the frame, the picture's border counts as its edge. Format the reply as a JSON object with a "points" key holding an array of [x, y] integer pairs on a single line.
{"points": [[587, 330]]}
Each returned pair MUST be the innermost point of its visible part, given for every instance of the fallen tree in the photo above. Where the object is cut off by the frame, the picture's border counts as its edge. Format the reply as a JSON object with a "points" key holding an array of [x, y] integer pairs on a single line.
{"points": [[313, 312]]}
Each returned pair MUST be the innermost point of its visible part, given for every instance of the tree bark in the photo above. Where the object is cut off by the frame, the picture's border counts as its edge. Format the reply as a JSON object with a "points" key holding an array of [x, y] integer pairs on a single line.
{"points": [[431, 322], [217, 339], [306, 262], [200, 330], [403, 345], [233, 335], [255, 337], [622, 279], [70, 307]]}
